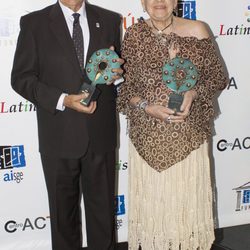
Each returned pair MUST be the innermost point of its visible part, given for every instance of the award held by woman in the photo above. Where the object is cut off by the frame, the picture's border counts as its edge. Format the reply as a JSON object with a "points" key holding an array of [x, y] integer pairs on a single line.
{"points": [[179, 75], [99, 71]]}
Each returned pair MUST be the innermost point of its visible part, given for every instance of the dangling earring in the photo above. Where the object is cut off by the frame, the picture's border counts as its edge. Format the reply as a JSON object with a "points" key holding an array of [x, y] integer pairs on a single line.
{"points": [[144, 10], [175, 11]]}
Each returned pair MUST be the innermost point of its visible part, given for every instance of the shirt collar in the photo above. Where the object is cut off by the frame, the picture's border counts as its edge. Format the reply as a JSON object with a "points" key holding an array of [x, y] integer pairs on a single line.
{"points": [[68, 12]]}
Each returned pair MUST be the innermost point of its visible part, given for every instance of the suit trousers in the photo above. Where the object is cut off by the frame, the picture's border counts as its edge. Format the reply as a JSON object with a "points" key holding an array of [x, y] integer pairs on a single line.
{"points": [[94, 174]]}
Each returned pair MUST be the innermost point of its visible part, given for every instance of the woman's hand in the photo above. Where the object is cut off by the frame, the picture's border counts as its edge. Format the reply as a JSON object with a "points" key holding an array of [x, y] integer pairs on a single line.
{"points": [[189, 98], [163, 113], [168, 115], [118, 71]]}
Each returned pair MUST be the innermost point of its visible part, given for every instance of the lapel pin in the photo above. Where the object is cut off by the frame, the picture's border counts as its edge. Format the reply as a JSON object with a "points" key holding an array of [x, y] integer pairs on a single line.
{"points": [[97, 25]]}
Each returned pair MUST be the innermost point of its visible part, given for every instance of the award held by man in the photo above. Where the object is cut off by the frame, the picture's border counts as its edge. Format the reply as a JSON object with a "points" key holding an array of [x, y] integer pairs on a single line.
{"points": [[179, 75], [99, 71]]}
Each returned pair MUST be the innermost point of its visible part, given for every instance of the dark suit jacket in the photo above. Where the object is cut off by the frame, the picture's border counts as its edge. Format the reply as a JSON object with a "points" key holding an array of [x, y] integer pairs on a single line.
{"points": [[46, 65]]}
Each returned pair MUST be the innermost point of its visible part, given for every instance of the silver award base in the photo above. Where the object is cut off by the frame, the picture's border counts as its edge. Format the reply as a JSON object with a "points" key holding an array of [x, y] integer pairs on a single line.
{"points": [[175, 102]]}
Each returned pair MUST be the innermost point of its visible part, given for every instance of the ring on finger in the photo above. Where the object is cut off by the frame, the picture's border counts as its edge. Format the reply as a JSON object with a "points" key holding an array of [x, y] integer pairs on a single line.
{"points": [[168, 119]]}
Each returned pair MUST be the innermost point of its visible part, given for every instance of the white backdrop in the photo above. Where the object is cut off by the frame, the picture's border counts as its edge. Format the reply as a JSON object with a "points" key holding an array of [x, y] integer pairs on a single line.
{"points": [[24, 220], [231, 147]]}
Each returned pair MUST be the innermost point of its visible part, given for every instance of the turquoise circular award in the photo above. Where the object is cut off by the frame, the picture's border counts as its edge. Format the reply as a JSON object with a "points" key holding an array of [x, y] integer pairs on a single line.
{"points": [[100, 65], [179, 75]]}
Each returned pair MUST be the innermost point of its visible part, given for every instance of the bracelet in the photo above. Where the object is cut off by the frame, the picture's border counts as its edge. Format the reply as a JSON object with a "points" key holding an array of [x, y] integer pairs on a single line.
{"points": [[141, 104]]}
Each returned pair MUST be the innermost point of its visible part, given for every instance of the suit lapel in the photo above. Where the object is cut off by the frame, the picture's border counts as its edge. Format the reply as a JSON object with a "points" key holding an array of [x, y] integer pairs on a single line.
{"points": [[95, 29], [59, 27]]}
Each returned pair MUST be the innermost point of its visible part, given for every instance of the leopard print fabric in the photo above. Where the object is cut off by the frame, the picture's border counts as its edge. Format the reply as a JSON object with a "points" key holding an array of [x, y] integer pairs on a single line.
{"points": [[160, 144]]}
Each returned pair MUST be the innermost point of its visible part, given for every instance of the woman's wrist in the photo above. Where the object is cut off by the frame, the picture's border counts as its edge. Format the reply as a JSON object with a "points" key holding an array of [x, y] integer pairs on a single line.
{"points": [[140, 104], [143, 104]]}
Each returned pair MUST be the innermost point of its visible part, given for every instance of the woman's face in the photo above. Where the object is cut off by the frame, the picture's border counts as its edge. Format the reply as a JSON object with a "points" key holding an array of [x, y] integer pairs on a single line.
{"points": [[159, 10]]}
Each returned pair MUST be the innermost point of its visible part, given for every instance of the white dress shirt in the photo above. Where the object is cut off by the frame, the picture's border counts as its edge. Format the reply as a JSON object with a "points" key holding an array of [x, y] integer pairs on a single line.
{"points": [[67, 12]]}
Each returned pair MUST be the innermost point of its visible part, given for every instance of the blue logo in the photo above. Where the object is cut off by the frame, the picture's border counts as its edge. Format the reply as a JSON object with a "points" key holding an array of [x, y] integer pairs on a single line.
{"points": [[246, 197], [120, 205], [12, 157], [243, 197], [187, 9]]}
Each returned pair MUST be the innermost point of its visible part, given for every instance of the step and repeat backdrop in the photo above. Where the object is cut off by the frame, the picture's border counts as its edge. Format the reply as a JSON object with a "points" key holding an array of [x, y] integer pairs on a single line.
{"points": [[24, 213]]}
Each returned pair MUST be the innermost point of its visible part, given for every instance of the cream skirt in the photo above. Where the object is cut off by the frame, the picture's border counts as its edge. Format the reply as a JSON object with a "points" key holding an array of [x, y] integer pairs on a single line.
{"points": [[171, 210]]}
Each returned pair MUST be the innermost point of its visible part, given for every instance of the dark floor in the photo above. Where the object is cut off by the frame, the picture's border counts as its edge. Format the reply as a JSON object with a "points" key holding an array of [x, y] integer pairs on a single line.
{"points": [[230, 238], [120, 246]]}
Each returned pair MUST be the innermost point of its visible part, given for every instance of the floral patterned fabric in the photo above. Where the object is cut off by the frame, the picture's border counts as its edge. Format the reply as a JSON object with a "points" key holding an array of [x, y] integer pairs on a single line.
{"points": [[160, 144]]}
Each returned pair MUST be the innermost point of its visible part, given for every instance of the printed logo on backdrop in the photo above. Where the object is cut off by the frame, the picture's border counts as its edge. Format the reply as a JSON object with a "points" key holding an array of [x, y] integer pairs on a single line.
{"points": [[187, 9], [247, 13], [121, 166], [120, 205], [120, 210], [243, 197], [27, 224], [9, 28], [232, 85], [234, 144], [128, 20], [239, 29], [20, 107], [12, 160], [9, 24]]}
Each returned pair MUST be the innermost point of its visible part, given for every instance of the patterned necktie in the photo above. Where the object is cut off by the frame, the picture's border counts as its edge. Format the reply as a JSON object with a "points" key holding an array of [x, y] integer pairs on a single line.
{"points": [[78, 39]]}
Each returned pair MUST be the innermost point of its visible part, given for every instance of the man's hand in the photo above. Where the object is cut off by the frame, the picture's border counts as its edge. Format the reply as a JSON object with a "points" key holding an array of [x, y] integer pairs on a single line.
{"points": [[73, 102]]}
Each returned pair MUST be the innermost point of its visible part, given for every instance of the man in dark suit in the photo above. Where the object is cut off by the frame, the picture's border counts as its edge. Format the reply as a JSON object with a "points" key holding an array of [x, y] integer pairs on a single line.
{"points": [[77, 143]]}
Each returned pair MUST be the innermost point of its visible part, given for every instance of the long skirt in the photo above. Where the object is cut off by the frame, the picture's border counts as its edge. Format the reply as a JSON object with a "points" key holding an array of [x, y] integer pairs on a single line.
{"points": [[171, 210]]}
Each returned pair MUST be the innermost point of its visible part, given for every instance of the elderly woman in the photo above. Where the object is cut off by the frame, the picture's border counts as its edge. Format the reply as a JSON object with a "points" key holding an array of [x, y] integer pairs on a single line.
{"points": [[170, 194]]}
